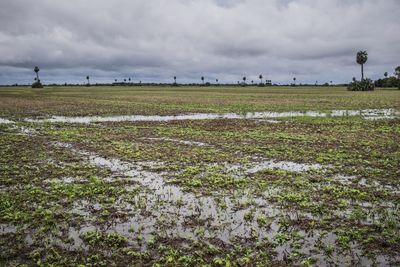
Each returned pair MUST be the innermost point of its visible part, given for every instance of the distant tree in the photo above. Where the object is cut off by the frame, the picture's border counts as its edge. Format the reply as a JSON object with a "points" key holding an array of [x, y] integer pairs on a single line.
{"points": [[252, 81], [37, 83], [87, 78], [36, 70], [115, 80], [316, 83], [260, 77], [202, 79], [294, 80], [387, 82], [124, 80], [129, 79], [362, 57], [331, 82], [354, 79], [175, 79], [244, 80], [397, 72], [386, 74]]}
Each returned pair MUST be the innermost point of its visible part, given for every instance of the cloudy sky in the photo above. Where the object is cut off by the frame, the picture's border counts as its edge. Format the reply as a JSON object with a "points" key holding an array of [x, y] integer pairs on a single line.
{"points": [[153, 40]]}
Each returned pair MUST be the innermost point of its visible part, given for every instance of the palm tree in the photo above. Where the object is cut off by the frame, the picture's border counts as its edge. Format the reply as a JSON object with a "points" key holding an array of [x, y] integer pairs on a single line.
{"points": [[244, 80], [260, 77], [129, 79], [87, 78], [386, 74], [294, 80], [175, 79], [36, 69], [202, 79], [362, 57], [115, 80], [216, 80], [354, 79], [397, 72]]}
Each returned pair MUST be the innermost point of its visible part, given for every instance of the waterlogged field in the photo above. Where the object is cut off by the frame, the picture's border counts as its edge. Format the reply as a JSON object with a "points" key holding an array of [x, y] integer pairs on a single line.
{"points": [[206, 176]]}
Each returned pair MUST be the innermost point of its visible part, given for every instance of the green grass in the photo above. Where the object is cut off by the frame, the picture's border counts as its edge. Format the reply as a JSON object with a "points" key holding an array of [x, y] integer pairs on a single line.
{"points": [[22, 101]]}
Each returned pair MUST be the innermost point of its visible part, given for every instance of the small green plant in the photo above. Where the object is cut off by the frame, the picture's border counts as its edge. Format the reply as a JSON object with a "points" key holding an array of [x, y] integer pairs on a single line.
{"points": [[262, 220]]}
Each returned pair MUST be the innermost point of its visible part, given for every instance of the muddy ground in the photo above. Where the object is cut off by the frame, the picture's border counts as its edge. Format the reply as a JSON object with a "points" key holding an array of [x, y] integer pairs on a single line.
{"points": [[218, 191]]}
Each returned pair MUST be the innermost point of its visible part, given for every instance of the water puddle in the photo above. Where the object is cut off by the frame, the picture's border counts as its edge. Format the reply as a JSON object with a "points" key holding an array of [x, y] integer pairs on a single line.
{"points": [[64, 179], [7, 229], [268, 121], [5, 121], [367, 114], [27, 131], [283, 165], [363, 182], [189, 143]]}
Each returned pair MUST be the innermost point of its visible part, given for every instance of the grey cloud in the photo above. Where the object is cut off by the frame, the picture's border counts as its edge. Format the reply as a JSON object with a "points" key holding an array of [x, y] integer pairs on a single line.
{"points": [[154, 40]]}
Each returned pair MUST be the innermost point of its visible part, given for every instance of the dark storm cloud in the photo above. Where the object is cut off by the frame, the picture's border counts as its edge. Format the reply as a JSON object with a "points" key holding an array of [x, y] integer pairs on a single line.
{"points": [[154, 40]]}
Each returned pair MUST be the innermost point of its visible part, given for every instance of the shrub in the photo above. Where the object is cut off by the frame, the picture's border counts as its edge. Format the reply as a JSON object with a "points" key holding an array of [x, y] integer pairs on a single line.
{"points": [[37, 84], [387, 82], [364, 85]]}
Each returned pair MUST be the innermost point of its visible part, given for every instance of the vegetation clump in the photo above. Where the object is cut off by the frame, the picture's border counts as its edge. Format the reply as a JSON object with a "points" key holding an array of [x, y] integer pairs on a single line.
{"points": [[37, 84], [364, 85]]}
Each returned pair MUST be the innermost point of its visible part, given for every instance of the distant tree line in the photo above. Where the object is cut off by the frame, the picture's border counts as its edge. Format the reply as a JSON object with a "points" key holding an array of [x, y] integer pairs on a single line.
{"points": [[392, 81], [363, 85]]}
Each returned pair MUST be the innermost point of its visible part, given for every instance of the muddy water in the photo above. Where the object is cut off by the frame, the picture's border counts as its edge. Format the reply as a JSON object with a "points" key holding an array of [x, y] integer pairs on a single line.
{"points": [[167, 200], [367, 114], [168, 211]]}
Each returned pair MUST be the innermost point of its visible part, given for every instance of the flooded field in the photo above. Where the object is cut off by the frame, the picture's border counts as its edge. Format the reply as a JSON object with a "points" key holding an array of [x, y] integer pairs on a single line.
{"points": [[154, 179], [366, 114]]}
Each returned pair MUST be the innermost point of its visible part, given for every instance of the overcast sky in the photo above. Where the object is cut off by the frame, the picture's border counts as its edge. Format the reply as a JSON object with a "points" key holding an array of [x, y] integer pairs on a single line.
{"points": [[153, 40]]}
